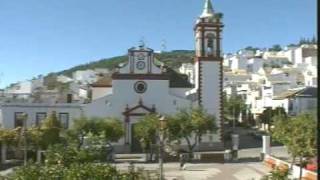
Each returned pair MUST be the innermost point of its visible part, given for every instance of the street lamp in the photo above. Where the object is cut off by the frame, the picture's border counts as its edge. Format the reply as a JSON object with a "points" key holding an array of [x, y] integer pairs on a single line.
{"points": [[163, 124], [24, 131]]}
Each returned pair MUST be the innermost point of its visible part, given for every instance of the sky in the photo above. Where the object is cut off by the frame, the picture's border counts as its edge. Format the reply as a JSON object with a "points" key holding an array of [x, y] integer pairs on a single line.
{"points": [[42, 36]]}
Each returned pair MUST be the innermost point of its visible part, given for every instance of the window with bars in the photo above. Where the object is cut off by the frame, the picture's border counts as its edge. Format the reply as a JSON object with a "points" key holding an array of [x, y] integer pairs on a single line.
{"points": [[64, 120], [41, 116], [18, 119]]}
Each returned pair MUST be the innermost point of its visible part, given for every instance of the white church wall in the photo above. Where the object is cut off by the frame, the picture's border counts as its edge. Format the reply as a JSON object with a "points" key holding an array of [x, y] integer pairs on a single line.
{"points": [[157, 94], [180, 92], [211, 91], [98, 92]]}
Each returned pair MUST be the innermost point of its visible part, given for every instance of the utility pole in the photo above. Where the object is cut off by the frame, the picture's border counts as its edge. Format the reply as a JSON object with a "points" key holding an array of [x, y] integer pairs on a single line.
{"points": [[234, 119], [25, 117], [163, 122]]}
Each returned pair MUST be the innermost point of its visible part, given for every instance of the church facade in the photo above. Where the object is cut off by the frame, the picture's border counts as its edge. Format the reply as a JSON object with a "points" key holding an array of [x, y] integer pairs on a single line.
{"points": [[144, 85]]}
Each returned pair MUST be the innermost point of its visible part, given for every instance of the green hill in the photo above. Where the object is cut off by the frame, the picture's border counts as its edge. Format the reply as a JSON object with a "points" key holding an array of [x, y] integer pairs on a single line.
{"points": [[173, 59]]}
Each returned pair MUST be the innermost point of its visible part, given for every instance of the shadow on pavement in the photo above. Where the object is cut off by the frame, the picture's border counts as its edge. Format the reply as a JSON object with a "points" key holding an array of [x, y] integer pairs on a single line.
{"points": [[248, 159]]}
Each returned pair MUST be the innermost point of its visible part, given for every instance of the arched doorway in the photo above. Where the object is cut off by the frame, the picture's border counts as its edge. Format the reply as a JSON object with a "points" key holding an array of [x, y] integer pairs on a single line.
{"points": [[132, 116]]}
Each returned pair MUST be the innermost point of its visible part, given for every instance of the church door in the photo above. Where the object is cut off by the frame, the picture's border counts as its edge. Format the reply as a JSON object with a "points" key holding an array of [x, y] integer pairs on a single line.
{"points": [[135, 142]]}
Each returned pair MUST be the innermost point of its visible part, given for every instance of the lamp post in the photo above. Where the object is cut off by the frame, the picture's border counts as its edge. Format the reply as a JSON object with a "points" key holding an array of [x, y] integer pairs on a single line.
{"points": [[163, 123], [24, 131]]}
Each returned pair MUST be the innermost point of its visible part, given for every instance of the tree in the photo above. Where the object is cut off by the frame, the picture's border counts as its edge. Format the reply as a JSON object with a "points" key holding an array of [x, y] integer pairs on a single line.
{"points": [[51, 128], [9, 136], [298, 134], [110, 128], [275, 47], [233, 106], [146, 131], [191, 124], [277, 174], [268, 114], [81, 127]]}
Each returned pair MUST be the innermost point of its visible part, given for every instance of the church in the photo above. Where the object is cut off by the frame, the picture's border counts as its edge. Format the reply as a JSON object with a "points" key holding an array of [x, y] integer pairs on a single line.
{"points": [[144, 85]]}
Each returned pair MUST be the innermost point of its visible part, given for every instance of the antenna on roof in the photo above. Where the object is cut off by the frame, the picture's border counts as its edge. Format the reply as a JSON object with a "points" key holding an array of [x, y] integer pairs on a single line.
{"points": [[163, 45]]}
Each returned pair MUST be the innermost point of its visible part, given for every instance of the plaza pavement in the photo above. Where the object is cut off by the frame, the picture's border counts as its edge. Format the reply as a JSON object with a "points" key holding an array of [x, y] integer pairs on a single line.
{"points": [[207, 171]]}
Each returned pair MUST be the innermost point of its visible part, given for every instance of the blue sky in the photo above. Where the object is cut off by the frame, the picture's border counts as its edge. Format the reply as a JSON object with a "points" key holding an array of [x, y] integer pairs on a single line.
{"points": [[41, 36]]}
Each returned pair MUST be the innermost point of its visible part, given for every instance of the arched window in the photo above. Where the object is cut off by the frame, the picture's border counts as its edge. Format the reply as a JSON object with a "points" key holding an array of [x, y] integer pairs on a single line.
{"points": [[210, 38]]}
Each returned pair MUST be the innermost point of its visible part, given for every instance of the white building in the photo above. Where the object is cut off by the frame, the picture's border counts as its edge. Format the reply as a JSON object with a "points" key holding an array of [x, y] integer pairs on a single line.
{"points": [[246, 53], [226, 60], [188, 69], [19, 90], [238, 62], [311, 76], [297, 101], [303, 52], [85, 76], [10, 113], [64, 79], [254, 64]]}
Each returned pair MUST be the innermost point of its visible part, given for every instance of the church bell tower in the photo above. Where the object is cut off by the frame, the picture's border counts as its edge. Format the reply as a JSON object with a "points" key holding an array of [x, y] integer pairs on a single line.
{"points": [[208, 63]]}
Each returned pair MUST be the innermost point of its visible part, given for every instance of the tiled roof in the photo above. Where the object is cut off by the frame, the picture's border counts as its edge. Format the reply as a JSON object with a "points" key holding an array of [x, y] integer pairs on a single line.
{"points": [[178, 80], [311, 92]]}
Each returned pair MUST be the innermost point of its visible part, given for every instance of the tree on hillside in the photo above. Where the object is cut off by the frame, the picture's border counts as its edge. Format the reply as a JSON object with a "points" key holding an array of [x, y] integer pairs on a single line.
{"points": [[298, 134], [191, 124], [254, 49], [275, 47]]}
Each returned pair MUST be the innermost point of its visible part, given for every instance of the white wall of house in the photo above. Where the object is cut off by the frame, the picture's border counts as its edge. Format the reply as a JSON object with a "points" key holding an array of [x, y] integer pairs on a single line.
{"points": [[289, 54], [254, 64], [303, 105], [24, 87], [188, 69], [64, 79], [9, 111], [311, 61], [246, 53], [238, 62], [284, 103], [302, 52], [86, 76]]}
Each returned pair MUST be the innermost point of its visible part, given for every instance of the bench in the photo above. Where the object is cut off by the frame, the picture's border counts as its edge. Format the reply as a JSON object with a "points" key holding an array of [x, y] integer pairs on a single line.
{"points": [[271, 163], [309, 176]]}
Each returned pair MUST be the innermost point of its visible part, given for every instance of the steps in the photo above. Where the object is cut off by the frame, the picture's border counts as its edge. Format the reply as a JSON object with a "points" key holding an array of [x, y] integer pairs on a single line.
{"points": [[130, 158]]}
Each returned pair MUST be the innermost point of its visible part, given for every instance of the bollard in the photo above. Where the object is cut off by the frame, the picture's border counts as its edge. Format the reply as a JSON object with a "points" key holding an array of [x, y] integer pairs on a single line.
{"points": [[235, 146], [227, 155], [3, 153], [266, 146]]}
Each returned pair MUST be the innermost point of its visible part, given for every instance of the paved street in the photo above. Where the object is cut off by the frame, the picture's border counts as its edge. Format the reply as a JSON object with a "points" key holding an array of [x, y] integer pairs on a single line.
{"points": [[208, 171]]}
